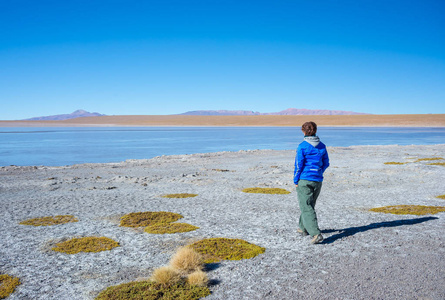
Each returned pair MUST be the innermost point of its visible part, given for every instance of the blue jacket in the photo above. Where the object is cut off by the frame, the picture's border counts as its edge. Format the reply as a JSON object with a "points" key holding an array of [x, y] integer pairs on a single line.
{"points": [[310, 162]]}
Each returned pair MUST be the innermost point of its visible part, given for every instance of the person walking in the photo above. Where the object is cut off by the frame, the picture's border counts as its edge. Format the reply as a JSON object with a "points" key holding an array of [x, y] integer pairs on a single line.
{"points": [[310, 163]]}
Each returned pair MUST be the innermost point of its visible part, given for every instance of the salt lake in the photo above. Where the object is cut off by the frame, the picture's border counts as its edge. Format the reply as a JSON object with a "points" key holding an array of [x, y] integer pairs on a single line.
{"points": [[58, 146]]}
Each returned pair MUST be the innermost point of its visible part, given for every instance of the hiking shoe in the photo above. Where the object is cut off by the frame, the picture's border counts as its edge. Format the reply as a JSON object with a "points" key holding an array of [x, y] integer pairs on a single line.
{"points": [[302, 232], [317, 239]]}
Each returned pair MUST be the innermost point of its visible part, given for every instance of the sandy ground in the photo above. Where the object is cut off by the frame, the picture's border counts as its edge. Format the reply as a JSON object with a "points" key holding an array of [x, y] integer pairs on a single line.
{"points": [[420, 120], [365, 255]]}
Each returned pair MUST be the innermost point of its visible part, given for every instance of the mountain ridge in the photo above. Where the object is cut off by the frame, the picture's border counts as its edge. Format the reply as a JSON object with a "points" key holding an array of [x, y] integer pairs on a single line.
{"points": [[289, 111], [76, 114]]}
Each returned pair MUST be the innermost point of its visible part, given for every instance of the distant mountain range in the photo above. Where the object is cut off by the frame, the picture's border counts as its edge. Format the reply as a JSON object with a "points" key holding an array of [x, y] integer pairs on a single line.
{"points": [[77, 114], [289, 111]]}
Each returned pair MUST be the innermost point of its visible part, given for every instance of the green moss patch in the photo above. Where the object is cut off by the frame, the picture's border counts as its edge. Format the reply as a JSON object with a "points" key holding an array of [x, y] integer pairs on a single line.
{"points": [[217, 249], [182, 195], [164, 228], [147, 290], [143, 219], [409, 209], [7, 285], [49, 221], [394, 163], [258, 190], [85, 244], [437, 164]]}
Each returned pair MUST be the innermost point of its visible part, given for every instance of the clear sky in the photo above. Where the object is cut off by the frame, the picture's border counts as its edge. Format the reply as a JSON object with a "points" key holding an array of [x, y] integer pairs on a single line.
{"points": [[167, 56]]}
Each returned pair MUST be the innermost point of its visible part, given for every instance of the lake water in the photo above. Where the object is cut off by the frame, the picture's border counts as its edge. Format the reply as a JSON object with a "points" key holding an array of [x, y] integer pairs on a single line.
{"points": [[66, 146]]}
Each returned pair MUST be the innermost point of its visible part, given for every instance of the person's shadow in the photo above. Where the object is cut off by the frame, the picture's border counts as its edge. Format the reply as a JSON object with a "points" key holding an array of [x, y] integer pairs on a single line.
{"points": [[353, 230]]}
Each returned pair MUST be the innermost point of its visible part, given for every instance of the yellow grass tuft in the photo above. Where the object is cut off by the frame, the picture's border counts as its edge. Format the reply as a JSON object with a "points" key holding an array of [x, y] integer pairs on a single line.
{"points": [[441, 197], [182, 195], [163, 228], [409, 209], [258, 190], [394, 163], [142, 219], [187, 260], [7, 285], [217, 249], [49, 221], [166, 275], [198, 278], [85, 244]]}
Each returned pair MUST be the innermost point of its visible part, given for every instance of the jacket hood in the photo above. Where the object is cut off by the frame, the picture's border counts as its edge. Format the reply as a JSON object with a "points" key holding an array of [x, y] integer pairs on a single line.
{"points": [[313, 140]]}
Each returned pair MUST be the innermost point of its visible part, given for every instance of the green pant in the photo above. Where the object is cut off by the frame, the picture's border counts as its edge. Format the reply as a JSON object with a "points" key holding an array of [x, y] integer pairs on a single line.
{"points": [[308, 192]]}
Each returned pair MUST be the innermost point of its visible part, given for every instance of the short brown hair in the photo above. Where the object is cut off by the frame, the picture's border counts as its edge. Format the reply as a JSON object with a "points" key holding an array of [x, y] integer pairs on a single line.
{"points": [[309, 128]]}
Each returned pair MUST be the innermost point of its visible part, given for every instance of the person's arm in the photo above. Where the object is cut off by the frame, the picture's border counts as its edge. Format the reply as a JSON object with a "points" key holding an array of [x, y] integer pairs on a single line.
{"points": [[299, 165], [325, 160]]}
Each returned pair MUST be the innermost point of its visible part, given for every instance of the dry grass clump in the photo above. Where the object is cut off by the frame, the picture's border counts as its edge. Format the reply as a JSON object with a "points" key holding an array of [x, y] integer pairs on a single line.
{"points": [[394, 163], [7, 285], [85, 244], [168, 228], [221, 170], [217, 249], [187, 260], [182, 279], [441, 197], [51, 220], [258, 190], [185, 267], [182, 195], [198, 278], [166, 275], [142, 219], [409, 209], [437, 164]]}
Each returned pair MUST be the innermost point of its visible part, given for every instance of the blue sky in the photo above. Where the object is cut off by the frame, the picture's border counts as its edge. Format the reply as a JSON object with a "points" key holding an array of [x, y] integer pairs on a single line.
{"points": [[167, 57]]}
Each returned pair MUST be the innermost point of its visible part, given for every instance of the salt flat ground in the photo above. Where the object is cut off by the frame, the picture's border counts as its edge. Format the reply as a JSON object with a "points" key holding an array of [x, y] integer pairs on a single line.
{"points": [[366, 255]]}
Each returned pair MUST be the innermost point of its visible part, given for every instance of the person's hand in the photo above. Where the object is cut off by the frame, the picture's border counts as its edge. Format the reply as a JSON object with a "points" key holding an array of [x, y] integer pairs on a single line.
{"points": [[296, 185]]}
